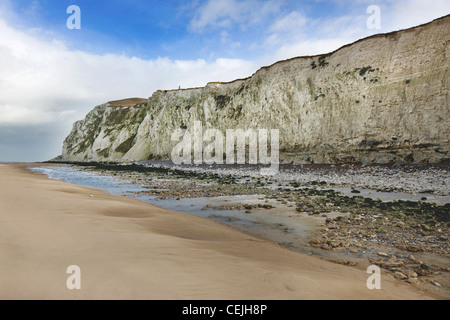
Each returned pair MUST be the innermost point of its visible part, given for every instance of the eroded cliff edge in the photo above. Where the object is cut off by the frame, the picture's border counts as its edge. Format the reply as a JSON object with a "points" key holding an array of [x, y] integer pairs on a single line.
{"points": [[382, 99]]}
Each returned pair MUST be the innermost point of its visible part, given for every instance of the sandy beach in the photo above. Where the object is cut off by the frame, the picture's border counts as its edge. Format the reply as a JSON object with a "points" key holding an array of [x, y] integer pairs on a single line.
{"points": [[127, 249]]}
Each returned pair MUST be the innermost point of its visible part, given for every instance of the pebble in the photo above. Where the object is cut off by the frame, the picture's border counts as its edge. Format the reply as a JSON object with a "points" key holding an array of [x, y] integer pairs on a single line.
{"points": [[400, 275], [423, 272], [333, 243], [413, 248]]}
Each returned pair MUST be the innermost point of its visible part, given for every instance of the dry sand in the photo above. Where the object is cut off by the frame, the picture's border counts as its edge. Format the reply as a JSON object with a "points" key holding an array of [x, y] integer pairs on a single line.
{"points": [[128, 249]]}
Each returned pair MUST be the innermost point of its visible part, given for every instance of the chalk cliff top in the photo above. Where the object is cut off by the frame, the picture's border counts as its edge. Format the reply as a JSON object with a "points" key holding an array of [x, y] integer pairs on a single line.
{"points": [[127, 102]]}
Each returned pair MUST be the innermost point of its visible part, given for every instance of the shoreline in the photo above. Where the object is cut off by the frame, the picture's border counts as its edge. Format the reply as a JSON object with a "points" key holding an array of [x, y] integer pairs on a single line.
{"points": [[131, 250], [350, 231]]}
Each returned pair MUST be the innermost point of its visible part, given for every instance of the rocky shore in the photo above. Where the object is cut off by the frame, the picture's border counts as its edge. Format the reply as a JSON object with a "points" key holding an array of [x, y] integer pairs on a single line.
{"points": [[407, 238]]}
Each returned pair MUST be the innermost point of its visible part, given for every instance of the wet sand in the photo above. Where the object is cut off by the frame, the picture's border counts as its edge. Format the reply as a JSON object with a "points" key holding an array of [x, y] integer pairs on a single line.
{"points": [[128, 249]]}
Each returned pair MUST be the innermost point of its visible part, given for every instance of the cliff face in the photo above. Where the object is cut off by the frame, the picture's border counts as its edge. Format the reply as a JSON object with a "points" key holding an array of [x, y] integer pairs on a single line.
{"points": [[382, 99], [107, 132]]}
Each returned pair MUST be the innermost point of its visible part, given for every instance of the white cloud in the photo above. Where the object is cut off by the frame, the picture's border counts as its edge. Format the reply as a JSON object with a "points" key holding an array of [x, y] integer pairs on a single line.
{"points": [[312, 36], [231, 13], [322, 35], [401, 14], [286, 29], [294, 21], [42, 81]]}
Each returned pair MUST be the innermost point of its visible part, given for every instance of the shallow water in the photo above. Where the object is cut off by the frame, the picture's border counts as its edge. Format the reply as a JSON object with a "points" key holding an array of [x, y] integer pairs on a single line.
{"points": [[87, 179], [393, 196], [281, 225]]}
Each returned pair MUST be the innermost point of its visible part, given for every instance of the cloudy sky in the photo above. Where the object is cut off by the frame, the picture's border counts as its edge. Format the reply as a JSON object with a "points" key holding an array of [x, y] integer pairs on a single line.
{"points": [[52, 76]]}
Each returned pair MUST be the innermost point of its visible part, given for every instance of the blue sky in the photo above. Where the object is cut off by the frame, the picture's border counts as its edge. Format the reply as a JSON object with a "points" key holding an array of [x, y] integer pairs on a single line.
{"points": [[51, 76], [136, 28], [179, 29]]}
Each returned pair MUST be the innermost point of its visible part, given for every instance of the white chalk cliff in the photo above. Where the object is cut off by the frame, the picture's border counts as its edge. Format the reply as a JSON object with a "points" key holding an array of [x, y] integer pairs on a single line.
{"points": [[379, 100]]}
